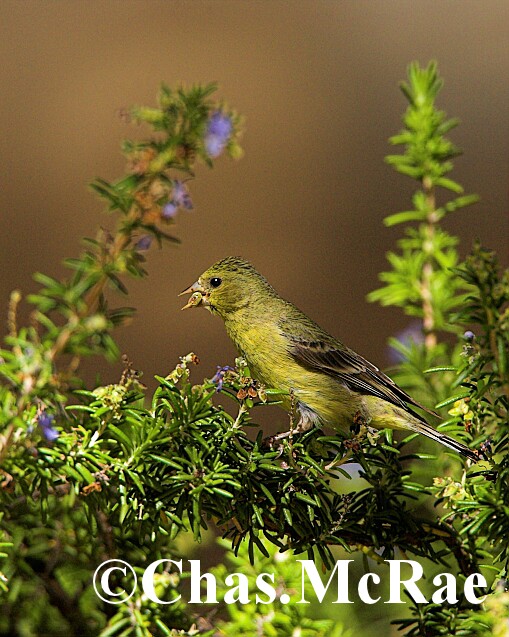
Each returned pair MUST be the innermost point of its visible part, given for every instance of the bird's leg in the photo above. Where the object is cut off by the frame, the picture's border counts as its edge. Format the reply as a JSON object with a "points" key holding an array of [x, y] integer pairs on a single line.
{"points": [[359, 428], [307, 419], [291, 414], [358, 420], [300, 428]]}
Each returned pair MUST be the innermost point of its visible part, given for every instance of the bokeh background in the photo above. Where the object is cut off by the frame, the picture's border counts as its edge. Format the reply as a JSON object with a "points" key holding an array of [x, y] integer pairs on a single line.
{"points": [[318, 84]]}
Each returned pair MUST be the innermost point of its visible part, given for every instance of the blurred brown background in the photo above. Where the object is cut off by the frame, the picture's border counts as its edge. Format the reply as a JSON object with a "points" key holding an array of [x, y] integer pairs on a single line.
{"points": [[317, 82]]}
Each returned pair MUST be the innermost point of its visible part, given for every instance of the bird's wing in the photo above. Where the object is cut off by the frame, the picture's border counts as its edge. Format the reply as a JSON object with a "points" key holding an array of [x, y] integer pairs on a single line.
{"points": [[352, 370]]}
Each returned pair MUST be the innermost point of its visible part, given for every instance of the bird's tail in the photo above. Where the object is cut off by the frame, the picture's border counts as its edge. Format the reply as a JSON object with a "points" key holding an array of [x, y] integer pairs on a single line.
{"points": [[447, 441]]}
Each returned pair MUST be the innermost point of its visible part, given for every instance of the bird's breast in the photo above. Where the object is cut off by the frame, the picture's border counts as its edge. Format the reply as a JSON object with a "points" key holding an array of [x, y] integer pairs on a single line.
{"points": [[268, 354], [264, 348]]}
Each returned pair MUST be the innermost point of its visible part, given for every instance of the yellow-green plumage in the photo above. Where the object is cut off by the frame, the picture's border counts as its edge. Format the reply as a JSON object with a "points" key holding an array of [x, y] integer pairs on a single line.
{"points": [[286, 350]]}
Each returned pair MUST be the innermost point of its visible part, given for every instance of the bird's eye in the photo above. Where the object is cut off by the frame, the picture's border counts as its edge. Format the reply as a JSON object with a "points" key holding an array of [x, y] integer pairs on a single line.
{"points": [[215, 282]]}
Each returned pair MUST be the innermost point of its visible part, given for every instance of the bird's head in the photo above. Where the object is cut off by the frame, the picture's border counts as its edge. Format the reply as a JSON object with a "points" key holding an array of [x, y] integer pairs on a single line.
{"points": [[227, 286]]}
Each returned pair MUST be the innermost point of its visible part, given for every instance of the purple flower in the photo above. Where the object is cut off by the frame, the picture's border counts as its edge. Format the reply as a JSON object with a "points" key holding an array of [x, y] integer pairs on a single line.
{"points": [[219, 130], [143, 242], [220, 125], [218, 378], [169, 210], [214, 146], [411, 335], [468, 335], [45, 422], [179, 198]]}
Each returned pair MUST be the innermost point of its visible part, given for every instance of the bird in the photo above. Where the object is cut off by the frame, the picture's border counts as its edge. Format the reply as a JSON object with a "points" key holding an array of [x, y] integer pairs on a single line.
{"points": [[325, 382]]}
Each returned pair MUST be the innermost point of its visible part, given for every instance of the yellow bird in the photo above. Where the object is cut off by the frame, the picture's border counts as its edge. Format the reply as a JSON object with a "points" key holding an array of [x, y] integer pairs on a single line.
{"points": [[331, 384]]}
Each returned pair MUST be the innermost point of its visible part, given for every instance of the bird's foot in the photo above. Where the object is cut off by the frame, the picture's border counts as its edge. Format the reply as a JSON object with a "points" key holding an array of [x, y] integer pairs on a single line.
{"points": [[274, 442], [270, 441], [359, 420], [360, 430], [303, 424]]}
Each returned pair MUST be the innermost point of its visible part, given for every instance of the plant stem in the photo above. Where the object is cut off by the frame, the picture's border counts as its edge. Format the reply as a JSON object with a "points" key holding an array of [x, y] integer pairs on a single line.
{"points": [[120, 242], [428, 321]]}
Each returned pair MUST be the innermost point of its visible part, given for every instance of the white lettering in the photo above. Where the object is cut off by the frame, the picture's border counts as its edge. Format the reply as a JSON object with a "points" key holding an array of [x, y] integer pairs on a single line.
{"points": [[309, 569], [363, 588], [242, 589], [449, 589], [105, 580], [196, 578], [395, 582], [476, 580], [264, 587], [147, 581]]}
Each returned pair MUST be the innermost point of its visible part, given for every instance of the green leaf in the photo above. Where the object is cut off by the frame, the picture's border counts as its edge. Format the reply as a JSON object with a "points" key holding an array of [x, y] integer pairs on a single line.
{"points": [[450, 401], [449, 184], [120, 435], [404, 217]]}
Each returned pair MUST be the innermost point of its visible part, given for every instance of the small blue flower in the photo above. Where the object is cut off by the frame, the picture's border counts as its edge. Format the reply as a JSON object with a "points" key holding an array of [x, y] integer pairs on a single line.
{"points": [[219, 130], [169, 210], [179, 198], [411, 335], [220, 125], [218, 378], [468, 335], [45, 422], [214, 146], [143, 242]]}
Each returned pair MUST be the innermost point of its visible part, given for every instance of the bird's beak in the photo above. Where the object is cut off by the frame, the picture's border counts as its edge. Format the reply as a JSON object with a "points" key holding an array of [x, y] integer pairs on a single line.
{"points": [[198, 295]]}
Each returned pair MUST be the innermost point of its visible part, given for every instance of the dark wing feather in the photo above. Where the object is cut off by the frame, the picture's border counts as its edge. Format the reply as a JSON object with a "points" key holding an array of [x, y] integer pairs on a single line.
{"points": [[352, 370]]}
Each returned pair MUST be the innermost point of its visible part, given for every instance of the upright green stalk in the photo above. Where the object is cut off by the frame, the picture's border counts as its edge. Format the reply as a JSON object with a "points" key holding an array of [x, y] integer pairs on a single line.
{"points": [[428, 315], [421, 280]]}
